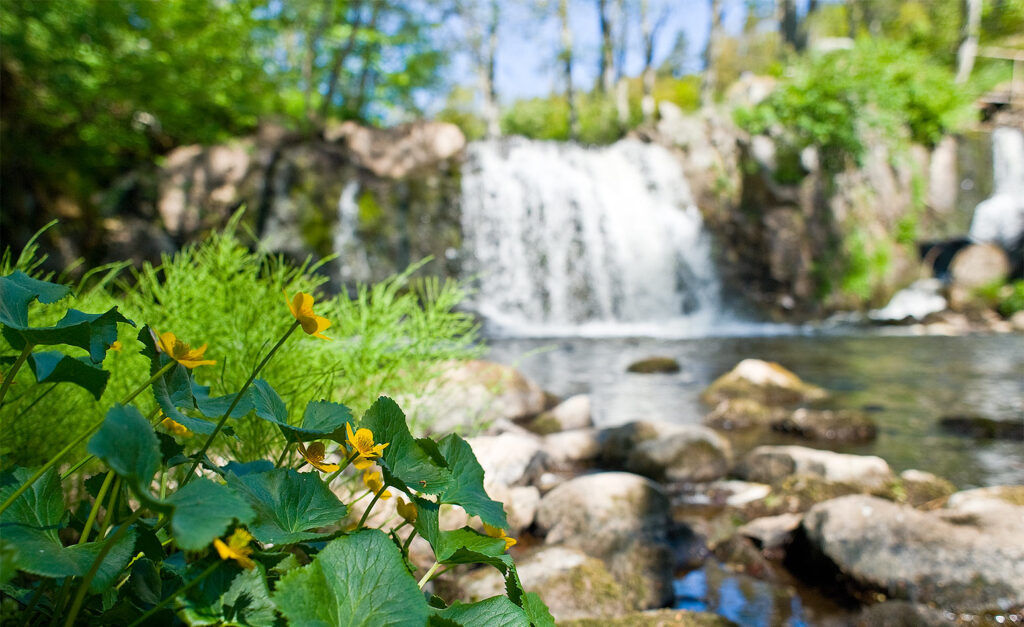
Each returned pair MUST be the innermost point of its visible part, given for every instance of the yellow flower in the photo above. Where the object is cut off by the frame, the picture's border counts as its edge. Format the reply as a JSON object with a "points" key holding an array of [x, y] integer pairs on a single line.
{"points": [[407, 511], [315, 456], [175, 427], [375, 484], [362, 442], [116, 346], [182, 352], [302, 308], [237, 548], [494, 532]]}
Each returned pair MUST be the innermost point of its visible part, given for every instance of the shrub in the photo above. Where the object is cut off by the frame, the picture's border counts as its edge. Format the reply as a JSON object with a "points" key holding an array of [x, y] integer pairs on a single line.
{"points": [[183, 537], [389, 336]]}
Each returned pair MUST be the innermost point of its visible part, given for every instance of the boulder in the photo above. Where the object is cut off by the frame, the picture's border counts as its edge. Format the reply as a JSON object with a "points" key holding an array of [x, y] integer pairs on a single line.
{"points": [[917, 488], [769, 464], [620, 518], [572, 413], [981, 497], [655, 618], [963, 559], [572, 447], [599, 513], [571, 583], [473, 394], [763, 381], [844, 425], [521, 503], [979, 265], [652, 365], [508, 459], [742, 413], [396, 152], [688, 453], [771, 532]]}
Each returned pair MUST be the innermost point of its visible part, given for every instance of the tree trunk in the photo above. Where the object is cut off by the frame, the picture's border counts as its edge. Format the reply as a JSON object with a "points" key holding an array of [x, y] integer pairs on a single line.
{"points": [[621, 85], [707, 87], [570, 95], [367, 69], [338, 62], [309, 61], [969, 44], [607, 69], [490, 93], [647, 99], [789, 25]]}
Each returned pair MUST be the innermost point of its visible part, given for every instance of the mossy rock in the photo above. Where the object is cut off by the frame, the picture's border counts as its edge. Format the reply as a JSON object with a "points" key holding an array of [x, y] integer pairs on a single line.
{"points": [[765, 382], [656, 618], [654, 365]]}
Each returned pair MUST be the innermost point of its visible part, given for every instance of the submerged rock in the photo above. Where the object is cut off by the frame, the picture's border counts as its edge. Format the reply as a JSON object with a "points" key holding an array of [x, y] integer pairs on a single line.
{"points": [[983, 428], [652, 365], [961, 558], [844, 425], [763, 381]]}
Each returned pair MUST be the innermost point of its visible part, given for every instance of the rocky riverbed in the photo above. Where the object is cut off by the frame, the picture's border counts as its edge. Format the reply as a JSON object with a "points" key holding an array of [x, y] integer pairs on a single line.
{"points": [[617, 523]]}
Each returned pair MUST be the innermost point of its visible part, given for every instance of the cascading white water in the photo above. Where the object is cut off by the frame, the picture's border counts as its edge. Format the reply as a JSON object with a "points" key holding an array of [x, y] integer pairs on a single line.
{"points": [[1000, 218], [351, 252], [563, 239]]}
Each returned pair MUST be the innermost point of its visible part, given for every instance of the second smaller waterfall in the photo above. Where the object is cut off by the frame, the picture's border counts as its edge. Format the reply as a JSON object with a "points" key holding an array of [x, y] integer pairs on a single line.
{"points": [[561, 236]]}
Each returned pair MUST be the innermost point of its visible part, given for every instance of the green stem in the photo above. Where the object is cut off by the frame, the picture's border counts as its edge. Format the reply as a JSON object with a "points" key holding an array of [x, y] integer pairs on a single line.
{"points": [[284, 453], [159, 373], [376, 497], [159, 606], [234, 403], [408, 541], [83, 588], [108, 518], [96, 507], [33, 403], [9, 375], [58, 604], [27, 616], [74, 444], [423, 582], [334, 475]]}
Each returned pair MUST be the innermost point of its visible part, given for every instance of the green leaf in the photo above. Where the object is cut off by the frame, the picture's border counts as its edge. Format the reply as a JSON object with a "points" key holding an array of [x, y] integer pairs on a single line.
{"points": [[18, 289], [56, 367], [93, 332], [174, 391], [127, 443], [536, 610], [467, 485], [230, 596], [288, 504], [357, 580], [321, 420], [31, 525], [404, 459], [145, 583], [8, 561], [493, 612], [203, 510]]}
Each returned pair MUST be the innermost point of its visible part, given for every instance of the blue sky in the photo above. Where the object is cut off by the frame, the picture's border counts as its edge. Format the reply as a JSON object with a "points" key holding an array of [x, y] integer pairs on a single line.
{"points": [[529, 42]]}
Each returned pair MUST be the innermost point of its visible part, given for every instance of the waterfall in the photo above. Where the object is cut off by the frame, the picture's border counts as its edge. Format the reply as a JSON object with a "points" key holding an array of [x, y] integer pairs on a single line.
{"points": [[353, 264], [566, 239], [1000, 218]]}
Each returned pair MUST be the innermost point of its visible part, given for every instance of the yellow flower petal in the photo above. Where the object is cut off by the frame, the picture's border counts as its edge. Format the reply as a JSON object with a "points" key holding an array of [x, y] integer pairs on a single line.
{"points": [[361, 442], [315, 456], [301, 307], [375, 484], [407, 511], [175, 427], [182, 352], [116, 346], [237, 548], [495, 532]]}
